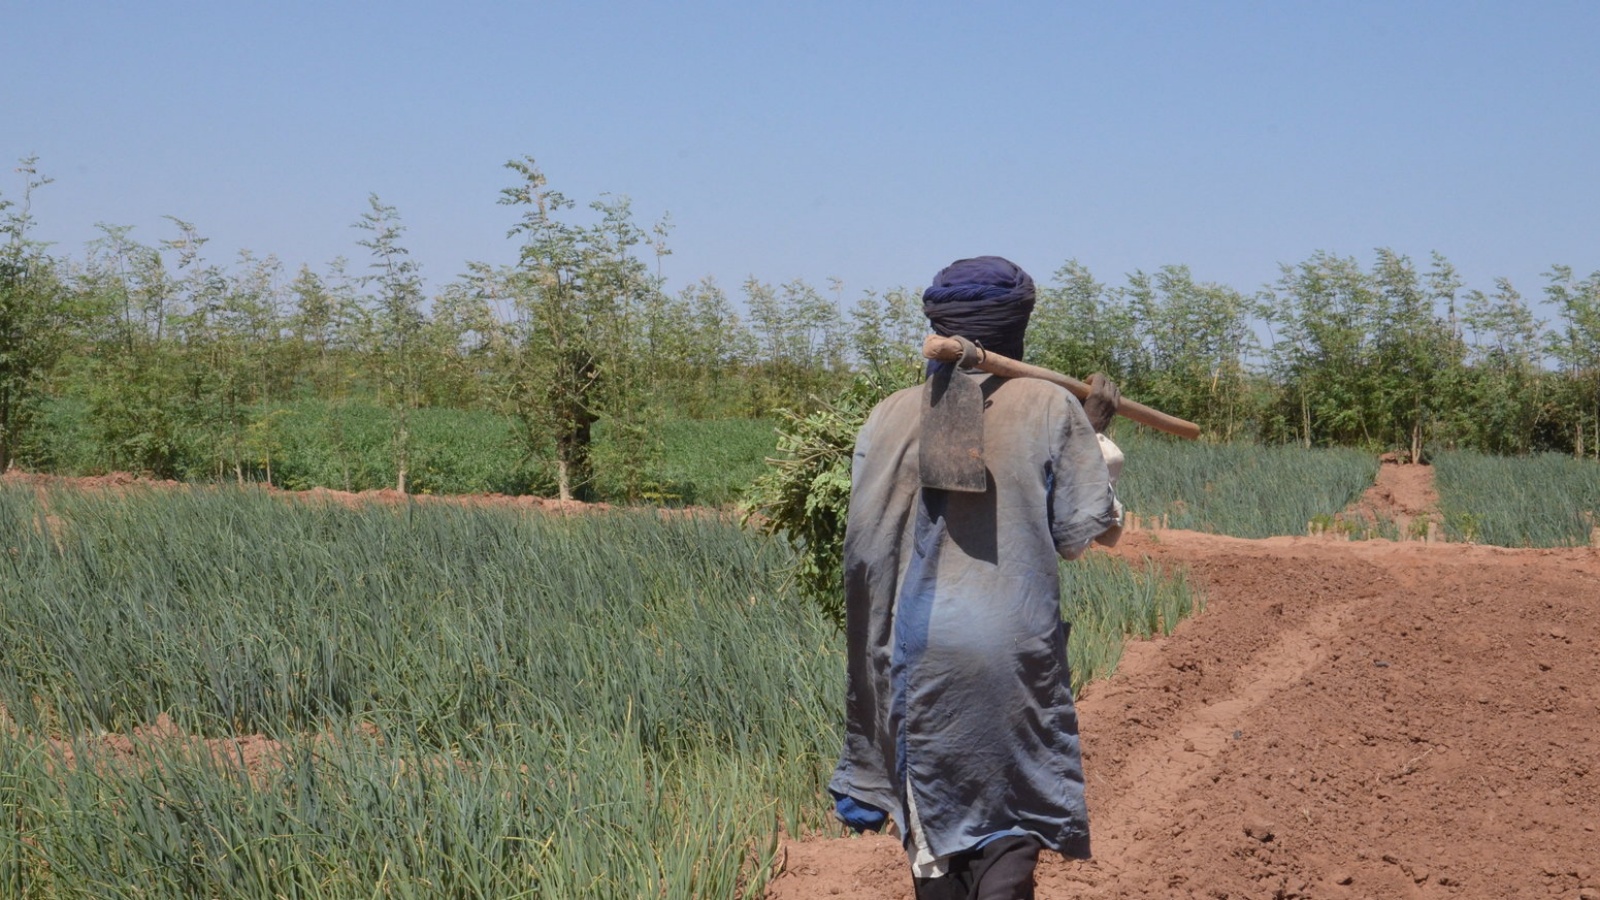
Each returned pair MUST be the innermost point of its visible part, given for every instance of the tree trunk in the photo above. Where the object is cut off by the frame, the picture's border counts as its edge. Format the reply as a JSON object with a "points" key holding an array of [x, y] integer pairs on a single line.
{"points": [[572, 452], [402, 461]]}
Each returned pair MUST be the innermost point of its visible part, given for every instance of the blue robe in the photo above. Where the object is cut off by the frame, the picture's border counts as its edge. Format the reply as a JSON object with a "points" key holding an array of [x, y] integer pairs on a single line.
{"points": [[958, 682]]}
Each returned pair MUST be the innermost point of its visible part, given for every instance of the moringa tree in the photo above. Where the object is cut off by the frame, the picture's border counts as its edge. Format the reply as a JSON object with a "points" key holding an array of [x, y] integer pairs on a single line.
{"points": [[32, 315], [1577, 346], [580, 294], [395, 325]]}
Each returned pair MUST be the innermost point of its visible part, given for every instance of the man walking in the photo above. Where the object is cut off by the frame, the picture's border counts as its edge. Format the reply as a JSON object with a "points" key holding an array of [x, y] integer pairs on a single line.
{"points": [[960, 721]]}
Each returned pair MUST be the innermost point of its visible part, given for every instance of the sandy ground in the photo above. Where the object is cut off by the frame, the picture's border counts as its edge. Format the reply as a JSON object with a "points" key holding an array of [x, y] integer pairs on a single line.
{"points": [[1363, 719]]}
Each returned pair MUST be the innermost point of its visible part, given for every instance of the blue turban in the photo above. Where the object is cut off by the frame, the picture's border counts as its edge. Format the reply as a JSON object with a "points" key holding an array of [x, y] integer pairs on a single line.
{"points": [[986, 299]]}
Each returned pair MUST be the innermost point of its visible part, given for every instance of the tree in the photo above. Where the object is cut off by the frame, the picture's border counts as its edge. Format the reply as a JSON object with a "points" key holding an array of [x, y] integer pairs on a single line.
{"points": [[137, 392], [396, 324], [580, 291], [1577, 347], [1190, 344], [800, 343], [1504, 400], [32, 316], [1417, 355], [1078, 327], [465, 336], [1324, 308], [888, 331]]}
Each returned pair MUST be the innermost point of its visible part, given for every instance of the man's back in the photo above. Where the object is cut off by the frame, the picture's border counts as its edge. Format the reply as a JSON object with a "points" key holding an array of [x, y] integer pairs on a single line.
{"points": [[958, 681]]}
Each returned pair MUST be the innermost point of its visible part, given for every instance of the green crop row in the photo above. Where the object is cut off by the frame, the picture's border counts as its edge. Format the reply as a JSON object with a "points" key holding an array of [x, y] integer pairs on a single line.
{"points": [[1243, 490], [1547, 500], [349, 445], [469, 701]]}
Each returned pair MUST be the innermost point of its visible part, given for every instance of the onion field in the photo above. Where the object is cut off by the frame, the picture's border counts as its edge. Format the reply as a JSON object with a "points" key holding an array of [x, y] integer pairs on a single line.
{"points": [[1238, 489], [1545, 500]]}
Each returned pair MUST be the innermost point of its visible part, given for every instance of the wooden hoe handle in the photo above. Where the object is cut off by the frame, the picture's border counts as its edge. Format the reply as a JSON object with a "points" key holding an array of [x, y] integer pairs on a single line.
{"points": [[960, 350]]}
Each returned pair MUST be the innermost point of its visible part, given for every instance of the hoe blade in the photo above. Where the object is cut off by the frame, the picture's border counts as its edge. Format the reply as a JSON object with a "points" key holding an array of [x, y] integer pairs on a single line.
{"points": [[950, 450]]}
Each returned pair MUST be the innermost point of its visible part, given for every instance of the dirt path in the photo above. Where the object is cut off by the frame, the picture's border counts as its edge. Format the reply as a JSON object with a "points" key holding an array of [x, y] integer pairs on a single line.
{"points": [[1346, 719]]}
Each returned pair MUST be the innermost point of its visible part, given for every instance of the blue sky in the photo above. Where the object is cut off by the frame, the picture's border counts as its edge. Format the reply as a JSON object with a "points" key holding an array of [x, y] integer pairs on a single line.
{"points": [[873, 142]]}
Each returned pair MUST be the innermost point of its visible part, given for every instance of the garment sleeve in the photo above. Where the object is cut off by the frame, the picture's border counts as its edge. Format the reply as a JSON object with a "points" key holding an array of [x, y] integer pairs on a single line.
{"points": [[1113, 457], [1083, 498]]}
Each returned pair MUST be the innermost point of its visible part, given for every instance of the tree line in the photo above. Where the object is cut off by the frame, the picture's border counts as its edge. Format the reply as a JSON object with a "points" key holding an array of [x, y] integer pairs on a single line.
{"points": [[1387, 357], [175, 357]]}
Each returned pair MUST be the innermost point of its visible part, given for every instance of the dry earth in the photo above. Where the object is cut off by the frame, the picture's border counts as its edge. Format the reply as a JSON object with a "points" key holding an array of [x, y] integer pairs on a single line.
{"points": [[1362, 719]]}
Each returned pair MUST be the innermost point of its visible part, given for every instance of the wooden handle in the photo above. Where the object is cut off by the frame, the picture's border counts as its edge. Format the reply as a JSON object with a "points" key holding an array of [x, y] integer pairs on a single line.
{"points": [[950, 350]]}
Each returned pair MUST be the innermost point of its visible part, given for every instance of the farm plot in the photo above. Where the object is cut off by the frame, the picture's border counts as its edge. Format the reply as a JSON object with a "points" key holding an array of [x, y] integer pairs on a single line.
{"points": [[232, 693], [1242, 490], [1346, 719], [1549, 500]]}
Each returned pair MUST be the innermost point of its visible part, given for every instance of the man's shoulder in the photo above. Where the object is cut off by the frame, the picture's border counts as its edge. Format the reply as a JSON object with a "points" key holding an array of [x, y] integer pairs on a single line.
{"points": [[1033, 393], [1028, 392]]}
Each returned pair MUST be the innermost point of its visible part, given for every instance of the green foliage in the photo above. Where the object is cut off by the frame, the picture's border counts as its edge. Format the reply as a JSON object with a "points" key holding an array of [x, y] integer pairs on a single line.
{"points": [[395, 328], [708, 462], [800, 342], [1508, 393], [1546, 500], [467, 702], [1577, 347], [1176, 344], [348, 446], [580, 291], [1079, 327], [1108, 601], [33, 320], [1243, 490], [1367, 358], [804, 495]]}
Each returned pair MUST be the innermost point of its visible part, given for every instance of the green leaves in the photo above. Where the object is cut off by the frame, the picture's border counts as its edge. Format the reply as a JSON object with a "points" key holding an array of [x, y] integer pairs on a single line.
{"points": [[581, 291], [32, 306], [804, 496]]}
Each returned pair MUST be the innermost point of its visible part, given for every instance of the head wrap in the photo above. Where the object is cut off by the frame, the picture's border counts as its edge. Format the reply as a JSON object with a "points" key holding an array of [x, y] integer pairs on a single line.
{"points": [[986, 299]]}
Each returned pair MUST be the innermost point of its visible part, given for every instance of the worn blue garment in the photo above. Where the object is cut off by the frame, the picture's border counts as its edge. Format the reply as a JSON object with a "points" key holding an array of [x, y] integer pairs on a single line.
{"points": [[859, 816], [986, 299], [958, 687]]}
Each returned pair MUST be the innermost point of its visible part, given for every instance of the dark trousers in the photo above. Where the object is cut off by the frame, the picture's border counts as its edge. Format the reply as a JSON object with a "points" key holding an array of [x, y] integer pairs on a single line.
{"points": [[1001, 870]]}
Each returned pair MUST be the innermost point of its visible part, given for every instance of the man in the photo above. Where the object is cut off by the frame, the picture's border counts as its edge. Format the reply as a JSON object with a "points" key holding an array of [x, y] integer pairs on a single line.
{"points": [[960, 721]]}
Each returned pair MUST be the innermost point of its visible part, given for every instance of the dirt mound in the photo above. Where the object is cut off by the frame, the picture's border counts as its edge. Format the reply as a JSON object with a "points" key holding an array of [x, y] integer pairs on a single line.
{"points": [[1346, 719], [1401, 504]]}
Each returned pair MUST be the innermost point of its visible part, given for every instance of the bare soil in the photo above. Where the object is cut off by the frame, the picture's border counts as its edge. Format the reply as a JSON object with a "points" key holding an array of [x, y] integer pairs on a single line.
{"points": [[1402, 495], [1363, 719]]}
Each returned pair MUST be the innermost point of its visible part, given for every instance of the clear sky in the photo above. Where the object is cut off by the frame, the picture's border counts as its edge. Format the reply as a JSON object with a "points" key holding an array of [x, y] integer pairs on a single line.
{"points": [[869, 141]]}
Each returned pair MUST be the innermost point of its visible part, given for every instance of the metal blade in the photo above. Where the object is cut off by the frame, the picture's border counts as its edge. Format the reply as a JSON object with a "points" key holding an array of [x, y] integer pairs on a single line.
{"points": [[950, 450]]}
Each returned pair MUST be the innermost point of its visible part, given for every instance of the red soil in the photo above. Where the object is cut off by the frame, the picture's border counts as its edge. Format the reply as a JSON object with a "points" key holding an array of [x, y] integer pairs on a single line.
{"points": [[1363, 719], [1403, 495]]}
